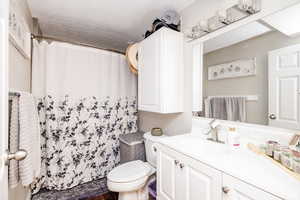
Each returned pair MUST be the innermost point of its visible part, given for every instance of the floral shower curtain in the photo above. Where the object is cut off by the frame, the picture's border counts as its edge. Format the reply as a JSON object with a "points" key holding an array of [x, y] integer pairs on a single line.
{"points": [[86, 99]]}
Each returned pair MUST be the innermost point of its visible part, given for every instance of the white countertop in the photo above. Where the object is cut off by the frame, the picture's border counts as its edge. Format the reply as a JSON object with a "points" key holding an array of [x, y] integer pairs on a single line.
{"points": [[240, 163]]}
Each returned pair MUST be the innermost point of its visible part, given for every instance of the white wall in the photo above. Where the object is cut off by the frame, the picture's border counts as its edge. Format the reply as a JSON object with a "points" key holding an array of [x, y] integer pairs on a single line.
{"points": [[3, 95], [20, 67], [19, 70], [257, 111], [19, 79]]}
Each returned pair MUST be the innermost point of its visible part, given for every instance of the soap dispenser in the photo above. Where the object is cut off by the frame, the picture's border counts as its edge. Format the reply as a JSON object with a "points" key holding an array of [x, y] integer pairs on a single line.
{"points": [[233, 137]]}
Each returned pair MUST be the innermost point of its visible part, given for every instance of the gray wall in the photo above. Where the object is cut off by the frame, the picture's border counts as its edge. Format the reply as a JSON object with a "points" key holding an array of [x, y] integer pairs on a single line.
{"points": [[257, 112]]}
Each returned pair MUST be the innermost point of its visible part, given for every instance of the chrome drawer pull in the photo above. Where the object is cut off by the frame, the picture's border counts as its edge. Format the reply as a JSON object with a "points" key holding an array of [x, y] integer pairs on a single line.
{"points": [[181, 165], [225, 190], [176, 162]]}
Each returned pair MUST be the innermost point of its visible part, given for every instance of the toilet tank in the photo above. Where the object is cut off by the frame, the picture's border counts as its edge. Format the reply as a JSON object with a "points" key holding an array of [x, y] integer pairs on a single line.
{"points": [[150, 149]]}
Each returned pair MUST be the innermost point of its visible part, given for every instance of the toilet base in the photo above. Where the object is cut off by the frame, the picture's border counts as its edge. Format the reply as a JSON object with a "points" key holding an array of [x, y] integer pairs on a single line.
{"points": [[141, 194]]}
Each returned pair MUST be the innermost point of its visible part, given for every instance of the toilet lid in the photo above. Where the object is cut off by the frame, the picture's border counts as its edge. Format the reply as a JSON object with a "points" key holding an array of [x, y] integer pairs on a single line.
{"points": [[130, 171]]}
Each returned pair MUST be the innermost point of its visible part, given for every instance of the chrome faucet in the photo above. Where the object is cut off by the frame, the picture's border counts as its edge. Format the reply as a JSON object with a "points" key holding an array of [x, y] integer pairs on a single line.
{"points": [[213, 125]]}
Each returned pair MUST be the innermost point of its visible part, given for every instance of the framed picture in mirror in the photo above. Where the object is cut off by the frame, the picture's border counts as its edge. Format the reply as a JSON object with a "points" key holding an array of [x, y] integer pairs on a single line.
{"points": [[238, 68]]}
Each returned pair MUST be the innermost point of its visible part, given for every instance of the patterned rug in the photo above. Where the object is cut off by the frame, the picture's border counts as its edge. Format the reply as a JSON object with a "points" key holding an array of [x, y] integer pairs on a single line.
{"points": [[94, 190]]}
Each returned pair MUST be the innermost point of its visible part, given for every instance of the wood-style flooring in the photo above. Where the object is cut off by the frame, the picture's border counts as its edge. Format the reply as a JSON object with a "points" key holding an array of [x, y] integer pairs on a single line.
{"points": [[108, 196]]}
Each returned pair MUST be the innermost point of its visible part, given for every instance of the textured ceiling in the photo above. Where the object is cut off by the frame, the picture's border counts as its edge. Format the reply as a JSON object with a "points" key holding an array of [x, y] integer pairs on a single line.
{"points": [[107, 24]]}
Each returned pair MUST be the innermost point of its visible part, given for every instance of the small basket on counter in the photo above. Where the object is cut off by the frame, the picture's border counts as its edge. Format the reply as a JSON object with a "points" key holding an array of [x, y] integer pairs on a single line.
{"points": [[286, 157]]}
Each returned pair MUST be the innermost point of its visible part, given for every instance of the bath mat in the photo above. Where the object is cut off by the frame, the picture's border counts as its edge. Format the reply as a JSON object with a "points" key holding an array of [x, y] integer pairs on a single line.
{"points": [[84, 191]]}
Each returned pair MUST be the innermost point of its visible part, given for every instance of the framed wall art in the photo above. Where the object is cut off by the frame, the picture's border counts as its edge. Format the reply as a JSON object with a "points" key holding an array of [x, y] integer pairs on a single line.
{"points": [[238, 68]]}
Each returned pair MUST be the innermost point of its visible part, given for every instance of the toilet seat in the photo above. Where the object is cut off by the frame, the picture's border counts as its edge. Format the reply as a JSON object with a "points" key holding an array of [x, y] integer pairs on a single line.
{"points": [[129, 172]]}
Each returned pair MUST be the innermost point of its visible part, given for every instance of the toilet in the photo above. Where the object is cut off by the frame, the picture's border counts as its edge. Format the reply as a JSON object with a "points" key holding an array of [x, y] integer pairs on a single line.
{"points": [[130, 179]]}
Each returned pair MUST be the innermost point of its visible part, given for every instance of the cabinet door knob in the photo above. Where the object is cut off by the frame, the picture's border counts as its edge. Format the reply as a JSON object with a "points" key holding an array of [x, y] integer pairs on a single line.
{"points": [[176, 162], [181, 165], [225, 190]]}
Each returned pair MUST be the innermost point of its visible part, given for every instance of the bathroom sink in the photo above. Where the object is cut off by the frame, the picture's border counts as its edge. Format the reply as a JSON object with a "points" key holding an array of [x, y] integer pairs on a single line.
{"points": [[197, 145], [212, 140]]}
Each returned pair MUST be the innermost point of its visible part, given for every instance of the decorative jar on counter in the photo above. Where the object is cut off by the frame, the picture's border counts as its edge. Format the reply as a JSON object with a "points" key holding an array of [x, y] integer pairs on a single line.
{"points": [[287, 158], [277, 153], [271, 145], [296, 164]]}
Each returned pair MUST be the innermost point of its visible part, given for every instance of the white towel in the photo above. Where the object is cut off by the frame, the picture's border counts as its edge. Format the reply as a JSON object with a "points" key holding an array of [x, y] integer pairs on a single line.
{"points": [[13, 174], [29, 168]]}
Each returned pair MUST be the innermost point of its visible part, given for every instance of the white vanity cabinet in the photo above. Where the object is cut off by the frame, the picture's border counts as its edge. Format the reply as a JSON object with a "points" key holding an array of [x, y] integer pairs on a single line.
{"points": [[180, 177], [161, 72]]}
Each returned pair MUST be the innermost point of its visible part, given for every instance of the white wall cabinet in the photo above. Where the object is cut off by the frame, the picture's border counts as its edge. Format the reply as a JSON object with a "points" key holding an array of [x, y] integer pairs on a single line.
{"points": [[182, 178], [161, 72]]}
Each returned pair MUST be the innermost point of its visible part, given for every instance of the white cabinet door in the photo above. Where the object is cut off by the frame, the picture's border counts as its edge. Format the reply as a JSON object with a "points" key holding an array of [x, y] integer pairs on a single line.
{"points": [[203, 182], [182, 178], [284, 87], [171, 175], [238, 190], [166, 176], [149, 74]]}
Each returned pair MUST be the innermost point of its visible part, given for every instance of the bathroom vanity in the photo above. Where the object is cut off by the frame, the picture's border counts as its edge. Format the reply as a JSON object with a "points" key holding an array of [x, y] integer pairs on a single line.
{"points": [[192, 168]]}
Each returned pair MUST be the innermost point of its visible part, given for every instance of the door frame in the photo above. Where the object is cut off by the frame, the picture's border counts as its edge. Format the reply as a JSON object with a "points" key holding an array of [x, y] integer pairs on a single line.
{"points": [[4, 12]]}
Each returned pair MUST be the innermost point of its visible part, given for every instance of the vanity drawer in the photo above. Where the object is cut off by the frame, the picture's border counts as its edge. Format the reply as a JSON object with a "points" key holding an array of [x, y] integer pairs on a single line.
{"points": [[233, 187]]}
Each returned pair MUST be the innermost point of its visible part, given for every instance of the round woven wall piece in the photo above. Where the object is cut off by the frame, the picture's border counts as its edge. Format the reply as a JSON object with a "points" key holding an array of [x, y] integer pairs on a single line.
{"points": [[132, 57]]}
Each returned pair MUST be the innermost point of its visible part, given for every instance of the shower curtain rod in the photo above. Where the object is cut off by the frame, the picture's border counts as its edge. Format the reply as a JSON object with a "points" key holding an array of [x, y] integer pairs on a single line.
{"points": [[39, 37]]}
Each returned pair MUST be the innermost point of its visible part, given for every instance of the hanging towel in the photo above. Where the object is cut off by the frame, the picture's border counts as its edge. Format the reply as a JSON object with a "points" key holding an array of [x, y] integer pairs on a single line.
{"points": [[29, 136], [236, 108], [13, 172], [217, 108], [231, 108]]}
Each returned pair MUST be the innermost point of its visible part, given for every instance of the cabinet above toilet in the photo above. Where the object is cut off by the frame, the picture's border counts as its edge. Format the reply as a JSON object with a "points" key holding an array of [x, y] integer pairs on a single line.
{"points": [[161, 72]]}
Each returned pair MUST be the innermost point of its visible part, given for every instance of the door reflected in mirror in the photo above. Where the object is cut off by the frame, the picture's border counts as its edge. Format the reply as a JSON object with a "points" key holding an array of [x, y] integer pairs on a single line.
{"points": [[251, 74]]}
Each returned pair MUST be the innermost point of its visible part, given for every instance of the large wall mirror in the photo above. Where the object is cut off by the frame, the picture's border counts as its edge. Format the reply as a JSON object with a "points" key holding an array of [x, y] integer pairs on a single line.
{"points": [[252, 74]]}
